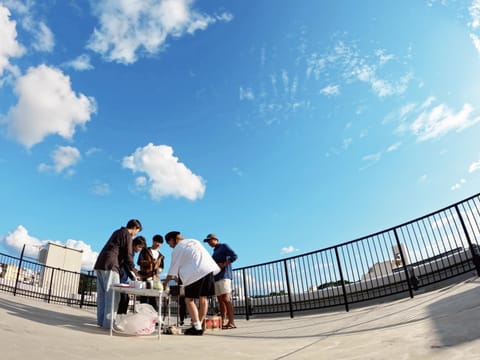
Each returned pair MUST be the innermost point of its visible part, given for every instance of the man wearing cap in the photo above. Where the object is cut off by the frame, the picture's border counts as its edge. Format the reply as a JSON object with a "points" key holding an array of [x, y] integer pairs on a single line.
{"points": [[192, 263], [224, 256]]}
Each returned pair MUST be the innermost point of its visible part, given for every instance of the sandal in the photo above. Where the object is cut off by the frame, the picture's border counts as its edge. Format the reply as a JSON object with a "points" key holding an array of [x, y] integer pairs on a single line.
{"points": [[229, 326]]}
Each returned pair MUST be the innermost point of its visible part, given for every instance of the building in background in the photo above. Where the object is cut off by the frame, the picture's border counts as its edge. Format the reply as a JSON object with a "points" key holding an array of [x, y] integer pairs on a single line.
{"points": [[387, 267], [62, 268]]}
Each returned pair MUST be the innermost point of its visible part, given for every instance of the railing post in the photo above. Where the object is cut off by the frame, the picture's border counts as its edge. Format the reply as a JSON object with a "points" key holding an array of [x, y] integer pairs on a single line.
{"points": [[290, 304], [344, 290], [407, 275], [19, 270], [245, 296], [475, 255], [83, 281], [50, 287]]}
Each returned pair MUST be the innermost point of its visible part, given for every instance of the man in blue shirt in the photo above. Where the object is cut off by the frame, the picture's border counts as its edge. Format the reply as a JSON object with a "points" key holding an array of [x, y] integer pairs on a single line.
{"points": [[224, 256]]}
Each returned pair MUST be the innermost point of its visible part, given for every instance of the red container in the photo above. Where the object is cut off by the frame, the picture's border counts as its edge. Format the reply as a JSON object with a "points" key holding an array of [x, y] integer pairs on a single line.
{"points": [[213, 323]]}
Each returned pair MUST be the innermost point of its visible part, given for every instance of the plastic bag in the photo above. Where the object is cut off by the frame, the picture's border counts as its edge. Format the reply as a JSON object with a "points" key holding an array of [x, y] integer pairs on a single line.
{"points": [[146, 309], [141, 322]]}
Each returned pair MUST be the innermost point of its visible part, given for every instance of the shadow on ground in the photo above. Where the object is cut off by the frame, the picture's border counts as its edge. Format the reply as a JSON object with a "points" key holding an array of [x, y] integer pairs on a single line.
{"points": [[50, 318], [456, 318]]}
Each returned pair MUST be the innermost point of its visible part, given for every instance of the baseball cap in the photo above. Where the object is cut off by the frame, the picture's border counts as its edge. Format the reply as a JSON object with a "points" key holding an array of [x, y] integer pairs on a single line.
{"points": [[210, 237]]}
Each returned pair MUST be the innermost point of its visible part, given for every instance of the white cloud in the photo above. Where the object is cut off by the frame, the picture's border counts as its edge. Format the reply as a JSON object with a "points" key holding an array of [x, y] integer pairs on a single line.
{"points": [[165, 175], [440, 120], [474, 10], [20, 237], [475, 14], [474, 166], [288, 249], [315, 65], [458, 185], [401, 114], [129, 28], [64, 157], [80, 63], [246, 94], [476, 42], [141, 181], [427, 103], [383, 57], [101, 189], [43, 38], [285, 80], [423, 178], [46, 105], [331, 90], [356, 67], [19, 6], [92, 151], [346, 143], [363, 133], [237, 171], [371, 159], [9, 46], [89, 257], [394, 147]]}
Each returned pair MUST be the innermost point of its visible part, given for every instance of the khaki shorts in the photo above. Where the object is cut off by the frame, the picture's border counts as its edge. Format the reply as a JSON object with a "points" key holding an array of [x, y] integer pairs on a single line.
{"points": [[223, 286]]}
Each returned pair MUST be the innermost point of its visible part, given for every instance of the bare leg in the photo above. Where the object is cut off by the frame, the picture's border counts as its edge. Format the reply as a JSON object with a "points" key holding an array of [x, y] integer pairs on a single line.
{"points": [[223, 308], [229, 306], [192, 309], [203, 308]]}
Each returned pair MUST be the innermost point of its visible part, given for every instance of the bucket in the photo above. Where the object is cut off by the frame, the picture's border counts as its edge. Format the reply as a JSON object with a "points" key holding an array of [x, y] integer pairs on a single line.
{"points": [[213, 323]]}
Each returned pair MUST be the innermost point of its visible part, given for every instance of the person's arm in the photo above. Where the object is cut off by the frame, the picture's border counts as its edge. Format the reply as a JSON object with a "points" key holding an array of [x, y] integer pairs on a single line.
{"points": [[161, 257], [129, 254], [230, 256], [141, 257], [144, 259], [167, 280], [173, 270]]}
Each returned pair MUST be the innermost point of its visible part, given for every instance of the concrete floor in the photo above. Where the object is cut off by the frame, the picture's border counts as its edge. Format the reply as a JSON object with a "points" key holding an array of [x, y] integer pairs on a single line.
{"points": [[441, 324]]}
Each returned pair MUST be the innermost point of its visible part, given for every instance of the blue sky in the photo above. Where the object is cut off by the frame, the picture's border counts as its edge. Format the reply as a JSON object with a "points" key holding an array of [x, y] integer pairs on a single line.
{"points": [[281, 126]]}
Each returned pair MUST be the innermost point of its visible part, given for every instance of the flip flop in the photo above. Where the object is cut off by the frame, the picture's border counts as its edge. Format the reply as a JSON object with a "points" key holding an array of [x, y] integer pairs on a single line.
{"points": [[229, 326]]}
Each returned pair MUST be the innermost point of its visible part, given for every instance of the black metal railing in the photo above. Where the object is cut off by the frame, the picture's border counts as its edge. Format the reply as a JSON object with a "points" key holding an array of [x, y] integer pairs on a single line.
{"points": [[26, 277], [399, 260]]}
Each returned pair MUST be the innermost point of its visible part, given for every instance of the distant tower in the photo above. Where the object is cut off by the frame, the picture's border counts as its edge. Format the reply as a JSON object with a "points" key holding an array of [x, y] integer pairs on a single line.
{"points": [[398, 257], [42, 255]]}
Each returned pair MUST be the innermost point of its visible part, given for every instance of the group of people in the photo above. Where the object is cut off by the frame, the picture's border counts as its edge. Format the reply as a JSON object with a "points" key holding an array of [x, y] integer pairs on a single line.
{"points": [[202, 275]]}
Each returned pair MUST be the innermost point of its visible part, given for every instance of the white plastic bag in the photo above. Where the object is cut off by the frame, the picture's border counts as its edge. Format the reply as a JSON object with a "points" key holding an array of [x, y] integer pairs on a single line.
{"points": [[141, 322], [146, 309]]}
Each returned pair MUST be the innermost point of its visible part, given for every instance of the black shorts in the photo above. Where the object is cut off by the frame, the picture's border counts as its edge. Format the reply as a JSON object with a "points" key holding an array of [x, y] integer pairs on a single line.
{"points": [[202, 287]]}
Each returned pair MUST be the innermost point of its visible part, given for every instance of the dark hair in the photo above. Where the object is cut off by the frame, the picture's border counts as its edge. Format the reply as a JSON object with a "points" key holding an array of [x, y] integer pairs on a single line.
{"points": [[139, 240], [158, 238], [134, 224], [171, 235]]}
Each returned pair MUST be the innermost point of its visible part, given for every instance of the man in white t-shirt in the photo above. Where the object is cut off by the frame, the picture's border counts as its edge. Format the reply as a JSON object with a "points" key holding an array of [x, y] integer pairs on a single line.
{"points": [[192, 263]]}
